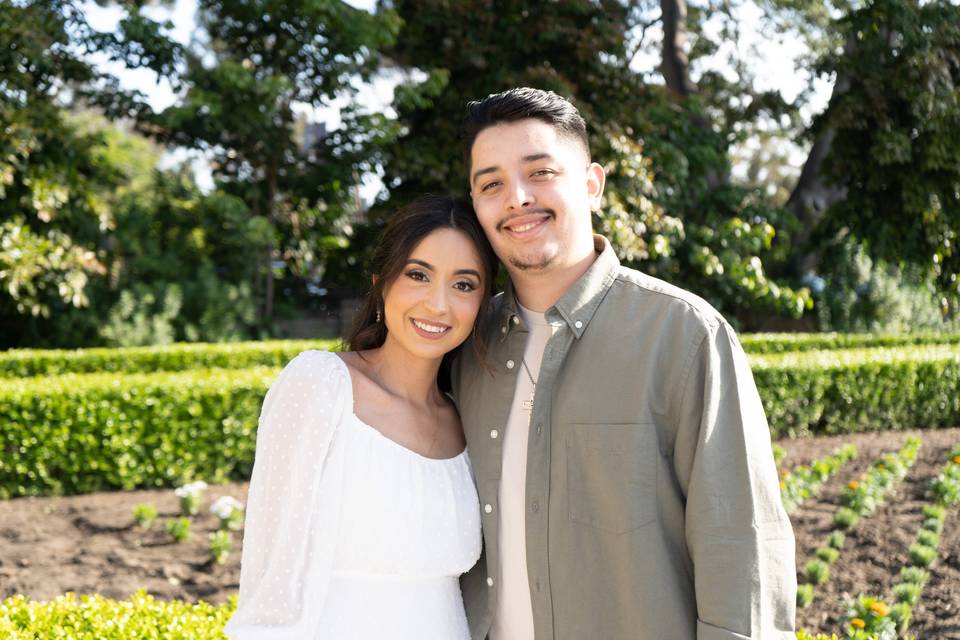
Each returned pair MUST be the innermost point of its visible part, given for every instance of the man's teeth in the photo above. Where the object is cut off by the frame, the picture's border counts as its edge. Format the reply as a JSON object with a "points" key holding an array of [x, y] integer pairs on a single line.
{"points": [[524, 227], [429, 327]]}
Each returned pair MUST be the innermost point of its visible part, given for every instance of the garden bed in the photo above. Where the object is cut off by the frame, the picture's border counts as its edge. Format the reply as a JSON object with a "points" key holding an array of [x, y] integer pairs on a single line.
{"points": [[90, 544]]}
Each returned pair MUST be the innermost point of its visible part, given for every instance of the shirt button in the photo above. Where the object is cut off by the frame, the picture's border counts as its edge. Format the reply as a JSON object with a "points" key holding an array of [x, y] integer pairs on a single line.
{"points": [[578, 324], [503, 329], [494, 433], [515, 320], [488, 508], [489, 582], [535, 506], [510, 364], [539, 428]]}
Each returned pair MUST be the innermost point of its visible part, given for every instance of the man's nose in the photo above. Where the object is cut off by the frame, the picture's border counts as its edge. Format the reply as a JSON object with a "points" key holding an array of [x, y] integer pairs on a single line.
{"points": [[520, 197]]}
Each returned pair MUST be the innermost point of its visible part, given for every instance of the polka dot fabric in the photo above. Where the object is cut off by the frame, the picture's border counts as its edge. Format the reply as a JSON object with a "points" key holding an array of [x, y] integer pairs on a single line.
{"points": [[348, 534]]}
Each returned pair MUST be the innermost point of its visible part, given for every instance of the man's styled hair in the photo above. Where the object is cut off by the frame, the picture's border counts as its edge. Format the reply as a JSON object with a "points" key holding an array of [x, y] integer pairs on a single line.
{"points": [[519, 104]]}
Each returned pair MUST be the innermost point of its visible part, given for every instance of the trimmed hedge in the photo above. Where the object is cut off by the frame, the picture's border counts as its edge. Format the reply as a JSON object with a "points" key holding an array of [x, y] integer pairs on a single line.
{"points": [[80, 433], [831, 392], [785, 342], [177, 357], [139, 617]]}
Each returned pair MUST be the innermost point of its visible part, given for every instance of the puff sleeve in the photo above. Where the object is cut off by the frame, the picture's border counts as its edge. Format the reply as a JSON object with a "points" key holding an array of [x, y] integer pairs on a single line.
{"points": [[290, 524]]}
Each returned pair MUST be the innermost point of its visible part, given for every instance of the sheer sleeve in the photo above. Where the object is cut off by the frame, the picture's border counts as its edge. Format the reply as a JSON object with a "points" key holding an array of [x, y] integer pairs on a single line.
{"points": [[290, 527]]}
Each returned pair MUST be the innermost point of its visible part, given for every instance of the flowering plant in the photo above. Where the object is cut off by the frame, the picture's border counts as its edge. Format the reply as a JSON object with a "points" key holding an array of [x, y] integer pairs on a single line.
{"points": [[190, 495], [229, 511]]}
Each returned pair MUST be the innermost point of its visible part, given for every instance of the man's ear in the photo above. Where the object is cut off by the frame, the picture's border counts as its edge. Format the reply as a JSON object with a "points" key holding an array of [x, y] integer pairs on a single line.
{"points": [[596, 179]]}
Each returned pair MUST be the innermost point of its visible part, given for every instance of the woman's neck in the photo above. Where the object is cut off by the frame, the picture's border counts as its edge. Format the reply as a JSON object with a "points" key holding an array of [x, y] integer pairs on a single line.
{"points": [[405, 375]]}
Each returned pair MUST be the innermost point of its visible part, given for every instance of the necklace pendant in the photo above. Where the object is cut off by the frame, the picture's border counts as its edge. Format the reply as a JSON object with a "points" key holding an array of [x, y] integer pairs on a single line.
{"points": [[528, 404]]}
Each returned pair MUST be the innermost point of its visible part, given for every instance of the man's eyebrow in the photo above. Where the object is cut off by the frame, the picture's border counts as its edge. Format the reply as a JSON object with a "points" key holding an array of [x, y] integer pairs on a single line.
{"points": [[480, 172], [537, 156]]}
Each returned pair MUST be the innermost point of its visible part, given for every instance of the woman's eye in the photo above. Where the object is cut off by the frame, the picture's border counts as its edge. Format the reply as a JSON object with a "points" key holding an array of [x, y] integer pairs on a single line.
{"points": [[465, 285], [416, 274]]}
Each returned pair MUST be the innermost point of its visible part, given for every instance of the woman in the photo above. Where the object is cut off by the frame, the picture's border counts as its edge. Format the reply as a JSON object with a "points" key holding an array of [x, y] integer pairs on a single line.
{"points": [[361, 512]]}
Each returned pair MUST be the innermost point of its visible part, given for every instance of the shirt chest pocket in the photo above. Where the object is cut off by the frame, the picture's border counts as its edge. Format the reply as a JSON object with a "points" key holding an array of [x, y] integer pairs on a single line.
{"points": [[612, 475]]}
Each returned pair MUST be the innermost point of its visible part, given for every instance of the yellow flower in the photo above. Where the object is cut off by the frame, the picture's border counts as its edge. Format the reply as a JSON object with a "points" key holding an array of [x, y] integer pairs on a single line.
{"points": [[858, 623], [956, 460], [783, 485], [853, 485], [879, 608]]}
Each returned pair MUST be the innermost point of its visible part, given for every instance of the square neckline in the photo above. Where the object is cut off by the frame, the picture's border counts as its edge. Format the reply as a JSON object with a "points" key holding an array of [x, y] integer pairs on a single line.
{"points": [[357, 419]]}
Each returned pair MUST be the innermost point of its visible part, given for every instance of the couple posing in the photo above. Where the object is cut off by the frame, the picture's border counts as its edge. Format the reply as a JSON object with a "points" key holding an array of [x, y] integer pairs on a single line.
{"points": [[606, 436]]}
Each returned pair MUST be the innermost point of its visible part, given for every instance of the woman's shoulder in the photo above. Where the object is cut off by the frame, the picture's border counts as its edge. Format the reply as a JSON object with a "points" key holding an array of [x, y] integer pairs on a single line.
{"points": [[314, 367]]}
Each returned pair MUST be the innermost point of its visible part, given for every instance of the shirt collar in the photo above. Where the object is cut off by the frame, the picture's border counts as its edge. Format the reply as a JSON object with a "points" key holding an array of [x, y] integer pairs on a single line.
{"points": [[577, 306]]}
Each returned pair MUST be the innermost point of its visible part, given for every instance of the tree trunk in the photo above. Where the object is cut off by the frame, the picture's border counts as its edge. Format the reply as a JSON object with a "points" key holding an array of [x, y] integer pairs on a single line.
{"points": [[674, 64], [812, 196]]}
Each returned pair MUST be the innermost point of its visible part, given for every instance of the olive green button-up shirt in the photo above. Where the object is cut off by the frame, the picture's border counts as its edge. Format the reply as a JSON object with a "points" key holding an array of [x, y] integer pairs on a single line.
{"points": [[653, 503]]}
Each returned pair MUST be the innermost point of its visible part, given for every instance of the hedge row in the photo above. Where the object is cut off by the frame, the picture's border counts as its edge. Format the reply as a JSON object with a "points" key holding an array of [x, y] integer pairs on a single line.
{"points": [[831, 392], [79, 433], [177, 357], [140, 617], [762, 343], [240, 355]]}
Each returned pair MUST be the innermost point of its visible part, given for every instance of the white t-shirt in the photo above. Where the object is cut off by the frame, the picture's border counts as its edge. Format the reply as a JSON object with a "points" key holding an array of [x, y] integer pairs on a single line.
{"points": [[513, 618]]}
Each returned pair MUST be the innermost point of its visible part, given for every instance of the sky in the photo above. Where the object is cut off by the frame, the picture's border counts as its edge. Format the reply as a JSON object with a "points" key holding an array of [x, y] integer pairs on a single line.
{"points": [[775, 68]]}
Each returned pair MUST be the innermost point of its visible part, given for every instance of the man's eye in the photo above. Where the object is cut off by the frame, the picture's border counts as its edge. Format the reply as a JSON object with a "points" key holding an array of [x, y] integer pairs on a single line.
{"points": [[543, 172], [490, 185]]}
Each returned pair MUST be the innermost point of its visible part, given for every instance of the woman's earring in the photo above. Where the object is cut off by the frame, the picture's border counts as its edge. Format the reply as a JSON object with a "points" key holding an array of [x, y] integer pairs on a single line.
{"points": [[379, 316]]}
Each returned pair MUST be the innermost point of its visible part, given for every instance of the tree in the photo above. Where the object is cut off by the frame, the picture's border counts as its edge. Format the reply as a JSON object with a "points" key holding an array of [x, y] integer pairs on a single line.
{"points": [[251, 66]]}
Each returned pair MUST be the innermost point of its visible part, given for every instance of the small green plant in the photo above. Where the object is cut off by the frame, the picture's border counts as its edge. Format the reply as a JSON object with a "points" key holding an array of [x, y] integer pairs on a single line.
{"points": [[220, 546], [907, 592], [914, 575], [836, 540], [845, 518], [144, 514], [900, 613], [827, 554], [932, 524], [817, 572], [778, 454], [934, 511], [921, 555], [804, 595], [179, 528], [229, 511], [928, 538]]}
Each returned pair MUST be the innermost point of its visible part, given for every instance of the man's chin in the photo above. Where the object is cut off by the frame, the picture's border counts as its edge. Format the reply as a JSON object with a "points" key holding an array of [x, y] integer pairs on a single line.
{"points": [[532, 263]]}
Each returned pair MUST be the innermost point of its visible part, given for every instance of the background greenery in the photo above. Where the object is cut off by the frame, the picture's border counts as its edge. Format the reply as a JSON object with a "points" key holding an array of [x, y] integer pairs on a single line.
{"points": [[99, 246]]}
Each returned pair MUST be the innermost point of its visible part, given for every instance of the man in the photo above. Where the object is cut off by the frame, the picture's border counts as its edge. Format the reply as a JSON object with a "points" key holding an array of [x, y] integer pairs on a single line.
{"points": [[620, 449]]}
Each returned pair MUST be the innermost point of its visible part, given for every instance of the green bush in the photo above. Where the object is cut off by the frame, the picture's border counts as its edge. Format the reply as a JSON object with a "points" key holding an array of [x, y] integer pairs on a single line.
{"points": [[832, 392], [93, 616], [176, 357], [761, 343], [81, 433]]}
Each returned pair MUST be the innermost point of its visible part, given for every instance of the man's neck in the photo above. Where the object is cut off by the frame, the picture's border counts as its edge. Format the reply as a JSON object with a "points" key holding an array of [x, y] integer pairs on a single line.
{"points": [[541, 290]]}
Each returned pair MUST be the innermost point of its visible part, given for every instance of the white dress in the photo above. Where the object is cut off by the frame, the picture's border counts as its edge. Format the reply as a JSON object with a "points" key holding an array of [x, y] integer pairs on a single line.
{"points": [[348, 534]]}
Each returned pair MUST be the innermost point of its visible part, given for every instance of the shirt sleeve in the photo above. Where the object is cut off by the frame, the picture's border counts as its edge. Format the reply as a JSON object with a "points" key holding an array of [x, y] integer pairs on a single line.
{"points": [[277, 567], [738, 534]]}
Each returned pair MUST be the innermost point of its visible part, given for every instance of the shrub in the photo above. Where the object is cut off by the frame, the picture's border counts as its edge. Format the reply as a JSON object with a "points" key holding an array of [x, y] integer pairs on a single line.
{"points": [[179, 528], [20, 363], [817, 572], [921, 555], [93, 616], [83, 433], [769, 343], [144, 515]]}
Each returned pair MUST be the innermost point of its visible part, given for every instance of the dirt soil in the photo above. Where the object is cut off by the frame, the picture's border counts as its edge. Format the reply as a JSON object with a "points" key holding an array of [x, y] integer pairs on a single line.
{"points": [[90, 544]]}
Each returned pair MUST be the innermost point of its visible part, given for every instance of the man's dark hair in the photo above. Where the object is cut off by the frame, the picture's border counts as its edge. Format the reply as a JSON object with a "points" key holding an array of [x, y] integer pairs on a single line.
{"points": [[519, 104]]}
